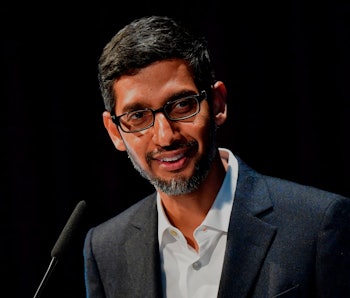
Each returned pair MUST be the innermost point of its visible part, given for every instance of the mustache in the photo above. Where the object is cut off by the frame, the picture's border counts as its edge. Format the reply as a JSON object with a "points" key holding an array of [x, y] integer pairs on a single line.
{"points": [[174, 146]]}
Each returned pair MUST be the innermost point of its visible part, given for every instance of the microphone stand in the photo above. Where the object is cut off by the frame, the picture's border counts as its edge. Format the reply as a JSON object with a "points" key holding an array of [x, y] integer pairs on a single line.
{"points": [[44, 280]]}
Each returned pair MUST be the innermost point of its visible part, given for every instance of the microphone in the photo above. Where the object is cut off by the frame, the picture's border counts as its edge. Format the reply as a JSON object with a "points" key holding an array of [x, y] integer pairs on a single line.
{"points": [[63, 242]]}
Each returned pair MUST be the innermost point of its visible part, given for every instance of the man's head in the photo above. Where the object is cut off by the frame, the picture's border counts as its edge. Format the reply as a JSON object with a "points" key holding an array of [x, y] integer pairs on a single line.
{"points": [[162, 104], [145, 41]]}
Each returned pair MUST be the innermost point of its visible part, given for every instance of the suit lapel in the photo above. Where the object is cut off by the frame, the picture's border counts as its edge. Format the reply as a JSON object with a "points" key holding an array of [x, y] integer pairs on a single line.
{"points": [[143, 252], [249, 237]]}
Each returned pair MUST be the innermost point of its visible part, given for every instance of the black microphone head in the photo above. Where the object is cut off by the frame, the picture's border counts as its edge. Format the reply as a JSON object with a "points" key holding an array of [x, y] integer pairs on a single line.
{"points": [[73, 224]]}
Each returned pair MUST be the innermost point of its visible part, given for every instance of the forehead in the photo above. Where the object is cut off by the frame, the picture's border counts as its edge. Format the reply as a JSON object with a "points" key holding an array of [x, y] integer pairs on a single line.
{"points": [[153, 84]]}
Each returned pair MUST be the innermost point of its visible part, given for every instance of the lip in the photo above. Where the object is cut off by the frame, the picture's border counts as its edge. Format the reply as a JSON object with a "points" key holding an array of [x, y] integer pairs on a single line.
{"points": [[172, 161]]}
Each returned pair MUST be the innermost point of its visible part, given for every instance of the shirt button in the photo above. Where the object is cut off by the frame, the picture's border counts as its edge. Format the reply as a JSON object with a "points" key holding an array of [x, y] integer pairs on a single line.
{"points": [[173, 232], [197, 265]]}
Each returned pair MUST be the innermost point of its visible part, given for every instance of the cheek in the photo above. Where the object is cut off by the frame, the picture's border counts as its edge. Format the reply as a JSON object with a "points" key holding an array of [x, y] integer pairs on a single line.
{"points": [[137, 147], [201, 127], [203, 133]]}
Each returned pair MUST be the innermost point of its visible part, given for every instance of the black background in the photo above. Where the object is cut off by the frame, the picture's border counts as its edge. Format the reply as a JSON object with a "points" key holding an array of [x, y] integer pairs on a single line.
{"points": [[286, 67]]}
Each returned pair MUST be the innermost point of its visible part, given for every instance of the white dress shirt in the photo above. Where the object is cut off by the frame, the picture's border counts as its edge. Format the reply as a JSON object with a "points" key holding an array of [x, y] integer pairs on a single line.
{"points": [[187, 273]]}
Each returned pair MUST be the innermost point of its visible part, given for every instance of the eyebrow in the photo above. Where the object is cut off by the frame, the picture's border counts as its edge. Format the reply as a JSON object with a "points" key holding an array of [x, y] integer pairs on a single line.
{"points": [[139, 106]]}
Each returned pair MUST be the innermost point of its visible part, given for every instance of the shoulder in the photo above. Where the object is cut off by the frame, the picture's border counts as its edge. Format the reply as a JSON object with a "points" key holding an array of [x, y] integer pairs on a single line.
{"points": [[133, 217], [285, 195], [304, 196]]}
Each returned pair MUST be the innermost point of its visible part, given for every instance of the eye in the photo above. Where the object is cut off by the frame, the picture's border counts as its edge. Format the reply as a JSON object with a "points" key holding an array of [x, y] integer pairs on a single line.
{"points": [[182, 106], [136, 115], [183, 103]]}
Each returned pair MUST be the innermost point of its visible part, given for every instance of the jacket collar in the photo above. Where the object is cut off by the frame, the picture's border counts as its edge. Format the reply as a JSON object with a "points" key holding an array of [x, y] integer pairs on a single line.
{"points": [[249, 237]]}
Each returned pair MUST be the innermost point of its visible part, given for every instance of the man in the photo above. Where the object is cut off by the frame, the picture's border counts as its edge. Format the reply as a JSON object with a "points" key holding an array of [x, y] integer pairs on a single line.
{"points": [[214, 227]]}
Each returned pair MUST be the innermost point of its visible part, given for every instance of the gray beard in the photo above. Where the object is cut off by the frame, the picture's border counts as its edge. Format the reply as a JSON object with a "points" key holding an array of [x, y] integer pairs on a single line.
{"points": [[180, 185]]}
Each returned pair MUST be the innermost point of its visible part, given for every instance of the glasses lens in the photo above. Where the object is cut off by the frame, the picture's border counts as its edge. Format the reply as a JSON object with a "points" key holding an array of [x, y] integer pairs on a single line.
{"points": [[136, 120], [182, 108]]}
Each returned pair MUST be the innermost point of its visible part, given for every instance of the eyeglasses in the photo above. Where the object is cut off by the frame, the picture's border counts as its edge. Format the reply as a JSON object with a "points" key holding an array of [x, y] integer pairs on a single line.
{"points": [[174, 110]]}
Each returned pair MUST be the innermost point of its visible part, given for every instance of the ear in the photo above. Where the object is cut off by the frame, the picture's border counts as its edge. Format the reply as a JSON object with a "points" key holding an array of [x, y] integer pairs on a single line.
{"points": [[113, 131], [219, 94]]}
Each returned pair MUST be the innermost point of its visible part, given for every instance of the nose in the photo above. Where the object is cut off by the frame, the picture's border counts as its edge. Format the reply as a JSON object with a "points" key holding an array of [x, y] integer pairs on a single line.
{"points": [[163, 130]]}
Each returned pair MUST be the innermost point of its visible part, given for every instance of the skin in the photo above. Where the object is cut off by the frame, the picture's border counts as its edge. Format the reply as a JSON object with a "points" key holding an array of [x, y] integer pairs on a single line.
{"points": [[153, 151]]}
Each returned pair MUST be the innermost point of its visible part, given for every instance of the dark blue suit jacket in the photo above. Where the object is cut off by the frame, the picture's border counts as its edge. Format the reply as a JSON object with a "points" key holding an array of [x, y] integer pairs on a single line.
{"points": [[284, 240]]}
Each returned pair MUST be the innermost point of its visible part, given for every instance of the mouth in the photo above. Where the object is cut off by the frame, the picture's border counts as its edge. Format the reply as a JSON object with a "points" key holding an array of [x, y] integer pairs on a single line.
{"points": [[175, 160], [172, 162], [172, 158]]}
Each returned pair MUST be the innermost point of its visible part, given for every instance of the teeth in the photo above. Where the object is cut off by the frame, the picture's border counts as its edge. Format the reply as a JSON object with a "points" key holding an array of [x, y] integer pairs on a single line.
{"points": [[173, 158]]}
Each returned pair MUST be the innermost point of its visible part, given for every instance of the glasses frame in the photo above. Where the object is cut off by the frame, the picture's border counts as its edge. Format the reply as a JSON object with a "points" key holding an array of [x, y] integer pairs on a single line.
{"points": [[198, 97]]}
